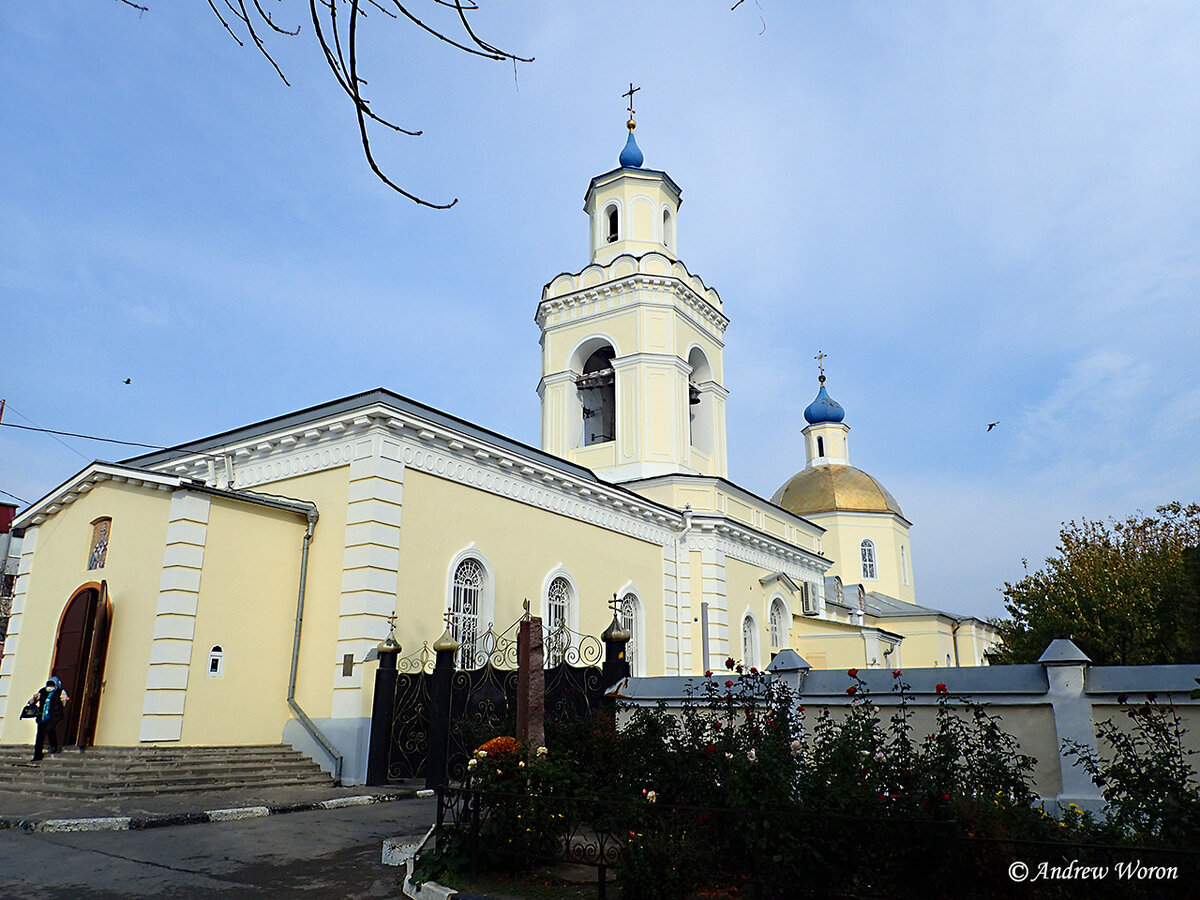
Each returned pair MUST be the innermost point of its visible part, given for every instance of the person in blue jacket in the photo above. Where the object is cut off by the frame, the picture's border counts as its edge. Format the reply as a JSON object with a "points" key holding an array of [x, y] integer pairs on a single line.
{"points": [[50, 702]]}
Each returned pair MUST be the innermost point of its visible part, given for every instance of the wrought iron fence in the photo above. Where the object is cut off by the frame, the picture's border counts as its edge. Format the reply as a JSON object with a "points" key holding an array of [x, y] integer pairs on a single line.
{"points": [[791, 854]]}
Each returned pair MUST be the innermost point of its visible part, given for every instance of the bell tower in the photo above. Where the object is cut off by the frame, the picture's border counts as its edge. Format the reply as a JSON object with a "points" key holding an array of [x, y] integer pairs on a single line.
{"points": [[632, 368]]}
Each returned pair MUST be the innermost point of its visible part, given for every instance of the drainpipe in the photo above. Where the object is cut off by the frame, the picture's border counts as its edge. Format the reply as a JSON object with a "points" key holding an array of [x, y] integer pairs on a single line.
{"points": [[309, 725], [954, 639]]}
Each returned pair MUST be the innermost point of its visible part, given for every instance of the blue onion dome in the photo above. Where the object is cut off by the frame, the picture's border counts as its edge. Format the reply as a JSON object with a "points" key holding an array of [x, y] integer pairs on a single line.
{"points": [[824, 408], [631, 156]]}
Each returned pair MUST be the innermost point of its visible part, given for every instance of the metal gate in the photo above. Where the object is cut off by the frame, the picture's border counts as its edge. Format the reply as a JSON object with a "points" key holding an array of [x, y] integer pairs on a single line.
{"points": [[483, 700]]}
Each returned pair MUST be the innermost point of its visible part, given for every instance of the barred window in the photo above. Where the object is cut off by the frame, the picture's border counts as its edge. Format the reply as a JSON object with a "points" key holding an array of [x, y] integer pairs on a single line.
{"points": [[779, 624], [464, 610], [749, 642], [867, 549], [558, 606], [630, 616]]}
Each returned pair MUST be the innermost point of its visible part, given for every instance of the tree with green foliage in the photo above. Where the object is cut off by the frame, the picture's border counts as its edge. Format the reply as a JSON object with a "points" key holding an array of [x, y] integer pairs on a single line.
{"points": [[1126, 592]]}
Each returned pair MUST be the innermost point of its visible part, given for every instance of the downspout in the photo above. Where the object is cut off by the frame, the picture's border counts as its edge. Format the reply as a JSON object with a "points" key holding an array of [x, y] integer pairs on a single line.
{"points": [[309, 725], [954, 640]]}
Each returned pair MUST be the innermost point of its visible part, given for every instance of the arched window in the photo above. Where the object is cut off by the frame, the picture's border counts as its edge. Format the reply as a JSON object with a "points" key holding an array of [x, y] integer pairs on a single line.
{"points": [[668, 233], [820, 446], [904, 564], [598, 396], [557, 639], [630, 615], [749, 641], [98, 551], [216, 662], [867, 550], [779, 630], [612, 220], [470, 579]]}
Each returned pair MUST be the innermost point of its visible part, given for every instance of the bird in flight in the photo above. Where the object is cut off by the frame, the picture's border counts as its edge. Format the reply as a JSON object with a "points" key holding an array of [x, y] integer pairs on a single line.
{"points": [[991, 425], [129, 381]]}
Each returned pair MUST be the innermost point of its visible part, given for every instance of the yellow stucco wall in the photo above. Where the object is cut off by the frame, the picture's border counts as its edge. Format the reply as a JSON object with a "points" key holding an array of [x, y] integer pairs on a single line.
{"points": [[132, 570], [522, 545], [247, 606], [845, 532]]}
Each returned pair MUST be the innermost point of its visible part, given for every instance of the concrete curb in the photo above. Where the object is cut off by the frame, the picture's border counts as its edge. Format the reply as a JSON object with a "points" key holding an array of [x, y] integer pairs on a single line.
{"points": [[165, 820]]}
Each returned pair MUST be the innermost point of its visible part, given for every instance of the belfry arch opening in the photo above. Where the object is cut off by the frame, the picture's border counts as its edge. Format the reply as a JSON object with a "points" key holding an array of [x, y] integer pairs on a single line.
{"points": [[700, 402], [612, 221], [597, 392]]}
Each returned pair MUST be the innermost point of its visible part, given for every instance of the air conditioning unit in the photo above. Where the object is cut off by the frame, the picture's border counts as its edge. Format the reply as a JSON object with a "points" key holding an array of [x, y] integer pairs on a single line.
{"points": [[812, 605]]}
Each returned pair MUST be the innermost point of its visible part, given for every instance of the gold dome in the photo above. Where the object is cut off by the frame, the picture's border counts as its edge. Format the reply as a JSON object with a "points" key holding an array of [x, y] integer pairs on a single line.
{"points": [[831, 488]]}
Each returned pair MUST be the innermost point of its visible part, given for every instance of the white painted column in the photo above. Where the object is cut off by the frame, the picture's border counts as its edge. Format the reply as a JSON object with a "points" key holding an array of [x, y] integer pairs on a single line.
{"points": [[673, 640], [20, 590], [175, 619], [713, 564], [371, 561]]}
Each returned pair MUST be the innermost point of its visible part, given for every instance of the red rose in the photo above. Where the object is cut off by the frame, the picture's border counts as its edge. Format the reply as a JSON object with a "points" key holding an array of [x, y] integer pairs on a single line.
{"points": [[896, 673], [945, 796], [853, 673], [729, 663], [753, 671], [711, 748], [940, 687], [852, 690], [729, 684]]}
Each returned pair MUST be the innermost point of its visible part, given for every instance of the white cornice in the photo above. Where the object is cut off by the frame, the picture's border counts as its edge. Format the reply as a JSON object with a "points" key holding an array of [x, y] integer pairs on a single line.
{"points": [[70, 491], [707, 316], [314, 446], [754, 547]]}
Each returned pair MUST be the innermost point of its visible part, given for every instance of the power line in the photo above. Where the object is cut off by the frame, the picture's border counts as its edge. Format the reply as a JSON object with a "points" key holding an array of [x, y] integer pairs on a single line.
{"points": [[86, 437], [15, 497], [48, 431]]}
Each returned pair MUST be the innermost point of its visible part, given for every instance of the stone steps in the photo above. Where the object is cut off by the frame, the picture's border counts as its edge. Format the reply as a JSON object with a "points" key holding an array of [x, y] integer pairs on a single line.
{"points": [[145, 771]]}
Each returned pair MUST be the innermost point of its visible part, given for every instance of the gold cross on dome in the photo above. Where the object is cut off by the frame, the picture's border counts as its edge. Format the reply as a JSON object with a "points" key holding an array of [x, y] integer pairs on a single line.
{"points": [[615, 604], [820, 358], [629, 93]]}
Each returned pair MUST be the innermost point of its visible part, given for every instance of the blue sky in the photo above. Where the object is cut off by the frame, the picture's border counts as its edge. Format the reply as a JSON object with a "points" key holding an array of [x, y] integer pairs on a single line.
{"points": [[979, 211]]}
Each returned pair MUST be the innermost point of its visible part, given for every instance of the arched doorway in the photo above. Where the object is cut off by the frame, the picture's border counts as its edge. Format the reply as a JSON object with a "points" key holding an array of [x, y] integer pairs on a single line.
{"points": [[79, 653]]}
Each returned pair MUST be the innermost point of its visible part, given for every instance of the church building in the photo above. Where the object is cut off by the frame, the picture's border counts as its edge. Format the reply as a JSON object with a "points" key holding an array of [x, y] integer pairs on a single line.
{"points": [[231, 590]]}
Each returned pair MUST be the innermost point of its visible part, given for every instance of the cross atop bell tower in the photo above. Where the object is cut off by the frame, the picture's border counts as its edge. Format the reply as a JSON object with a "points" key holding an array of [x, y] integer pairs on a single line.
{"points": [[632, 208]]}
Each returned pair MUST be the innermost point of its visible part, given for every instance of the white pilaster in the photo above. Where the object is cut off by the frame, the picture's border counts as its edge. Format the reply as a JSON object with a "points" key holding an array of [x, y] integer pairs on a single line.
{"points": [[20, 590], [713, 565], [175, 619], [370, 563]]}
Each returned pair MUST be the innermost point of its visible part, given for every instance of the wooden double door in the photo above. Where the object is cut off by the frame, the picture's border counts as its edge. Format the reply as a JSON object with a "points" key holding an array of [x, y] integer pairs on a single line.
{"points": [[79, 653]]}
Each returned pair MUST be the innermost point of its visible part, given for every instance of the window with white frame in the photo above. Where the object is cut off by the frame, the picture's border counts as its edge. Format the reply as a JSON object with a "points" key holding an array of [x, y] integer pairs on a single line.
{"points": [[749, 641], [779, 631], [469, 582], [558, 616], [631, 621], [904, 564], [869, 569]]}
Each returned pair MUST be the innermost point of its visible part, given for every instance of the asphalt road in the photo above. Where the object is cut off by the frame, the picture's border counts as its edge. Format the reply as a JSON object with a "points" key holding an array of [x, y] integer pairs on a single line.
{"points": [[331, 853]]}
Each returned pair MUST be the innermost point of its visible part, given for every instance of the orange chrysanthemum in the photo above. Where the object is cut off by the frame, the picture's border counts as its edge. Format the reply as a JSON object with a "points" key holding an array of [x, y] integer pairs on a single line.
{"points": [[502, 746]]}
